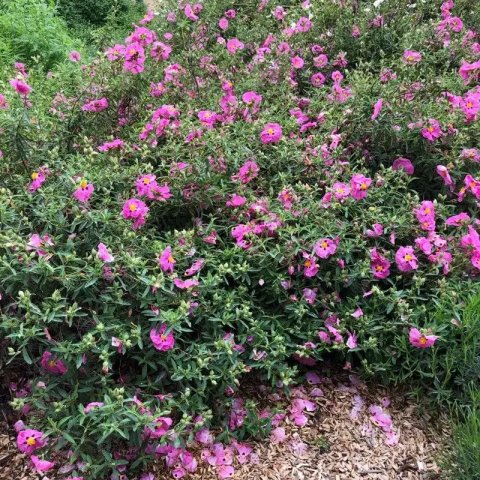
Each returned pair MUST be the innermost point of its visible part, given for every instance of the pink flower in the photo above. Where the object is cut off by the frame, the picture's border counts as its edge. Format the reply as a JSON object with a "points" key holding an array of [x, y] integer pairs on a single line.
{"points": [[287, 197], [147, 18], [233, 45], [134, 209], [41, 465], [223, 24], [410, 57], [116, 143], [142, 35], [248, 171], [236, 201], [279, 13], [84, 191], [470, 105], [161, 425], [185, 284], [197, 265], [425, 214], [404, 164], [21, 87], [325, 247], [74, 56], [30, 440], [252, 98], [95, 105], [377, 108], [406, 259], [341, 190], [134, 58], [37, 180], [444, 173], [207, 117], [166, 260], [297, 62], [160, 51], [352, 340], [271, 133], [457, 220], [433, 131], [472, 154], [91, 406], [104, 254], [320, 61], [189, 13], [359, 186], [39, 244], [52, 364], [379, 265], [115, 52], [310, 267], [468, 71], [317, 79], [147, 186], [376, 231], [357, 313], [161, 340], [418, 339]]}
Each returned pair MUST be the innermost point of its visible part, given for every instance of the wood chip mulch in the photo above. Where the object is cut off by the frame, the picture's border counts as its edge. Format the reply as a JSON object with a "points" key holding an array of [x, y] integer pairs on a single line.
{"points": [[335, 444]]}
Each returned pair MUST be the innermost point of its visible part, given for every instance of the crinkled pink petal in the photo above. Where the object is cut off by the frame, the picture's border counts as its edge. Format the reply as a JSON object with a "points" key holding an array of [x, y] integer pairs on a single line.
{"points": [[278, 435], [225, 471]]}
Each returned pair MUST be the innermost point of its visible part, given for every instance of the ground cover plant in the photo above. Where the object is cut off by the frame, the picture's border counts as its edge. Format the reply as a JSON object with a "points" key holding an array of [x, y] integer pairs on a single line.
{"points": [[236, 191]]}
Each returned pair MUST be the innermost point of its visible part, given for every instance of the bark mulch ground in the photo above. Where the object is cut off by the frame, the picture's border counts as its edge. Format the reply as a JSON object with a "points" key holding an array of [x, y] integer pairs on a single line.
{"points": [[339, 442]]}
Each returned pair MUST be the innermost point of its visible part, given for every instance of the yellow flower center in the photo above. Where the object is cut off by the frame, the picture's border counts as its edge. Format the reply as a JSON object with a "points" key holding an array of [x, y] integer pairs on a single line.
{"points": [[469, 104], [408, 257], [423, 340], [270, 131], [31, 441], [83, 184], [324, 244], [171, 259], [427, 211], [307, 264], [430, 129], [132, 207], [363, 186], [34, 175], [132, 51], [52, 363], [379, 268], [146, 181]]}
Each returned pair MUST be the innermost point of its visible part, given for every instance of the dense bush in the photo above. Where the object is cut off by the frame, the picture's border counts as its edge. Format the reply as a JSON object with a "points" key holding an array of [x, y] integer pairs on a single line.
{"points": [[31, 32], [93, 12], [97, 22], [227, 194]]}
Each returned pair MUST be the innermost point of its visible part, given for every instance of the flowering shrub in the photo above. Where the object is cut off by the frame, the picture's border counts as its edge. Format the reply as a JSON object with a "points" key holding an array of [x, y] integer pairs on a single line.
{"points": [[233, 191]]}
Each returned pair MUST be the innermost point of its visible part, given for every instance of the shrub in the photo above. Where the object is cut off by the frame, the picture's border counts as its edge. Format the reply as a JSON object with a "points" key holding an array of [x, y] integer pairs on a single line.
{"points": [[30, 32], [190, 210]]}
